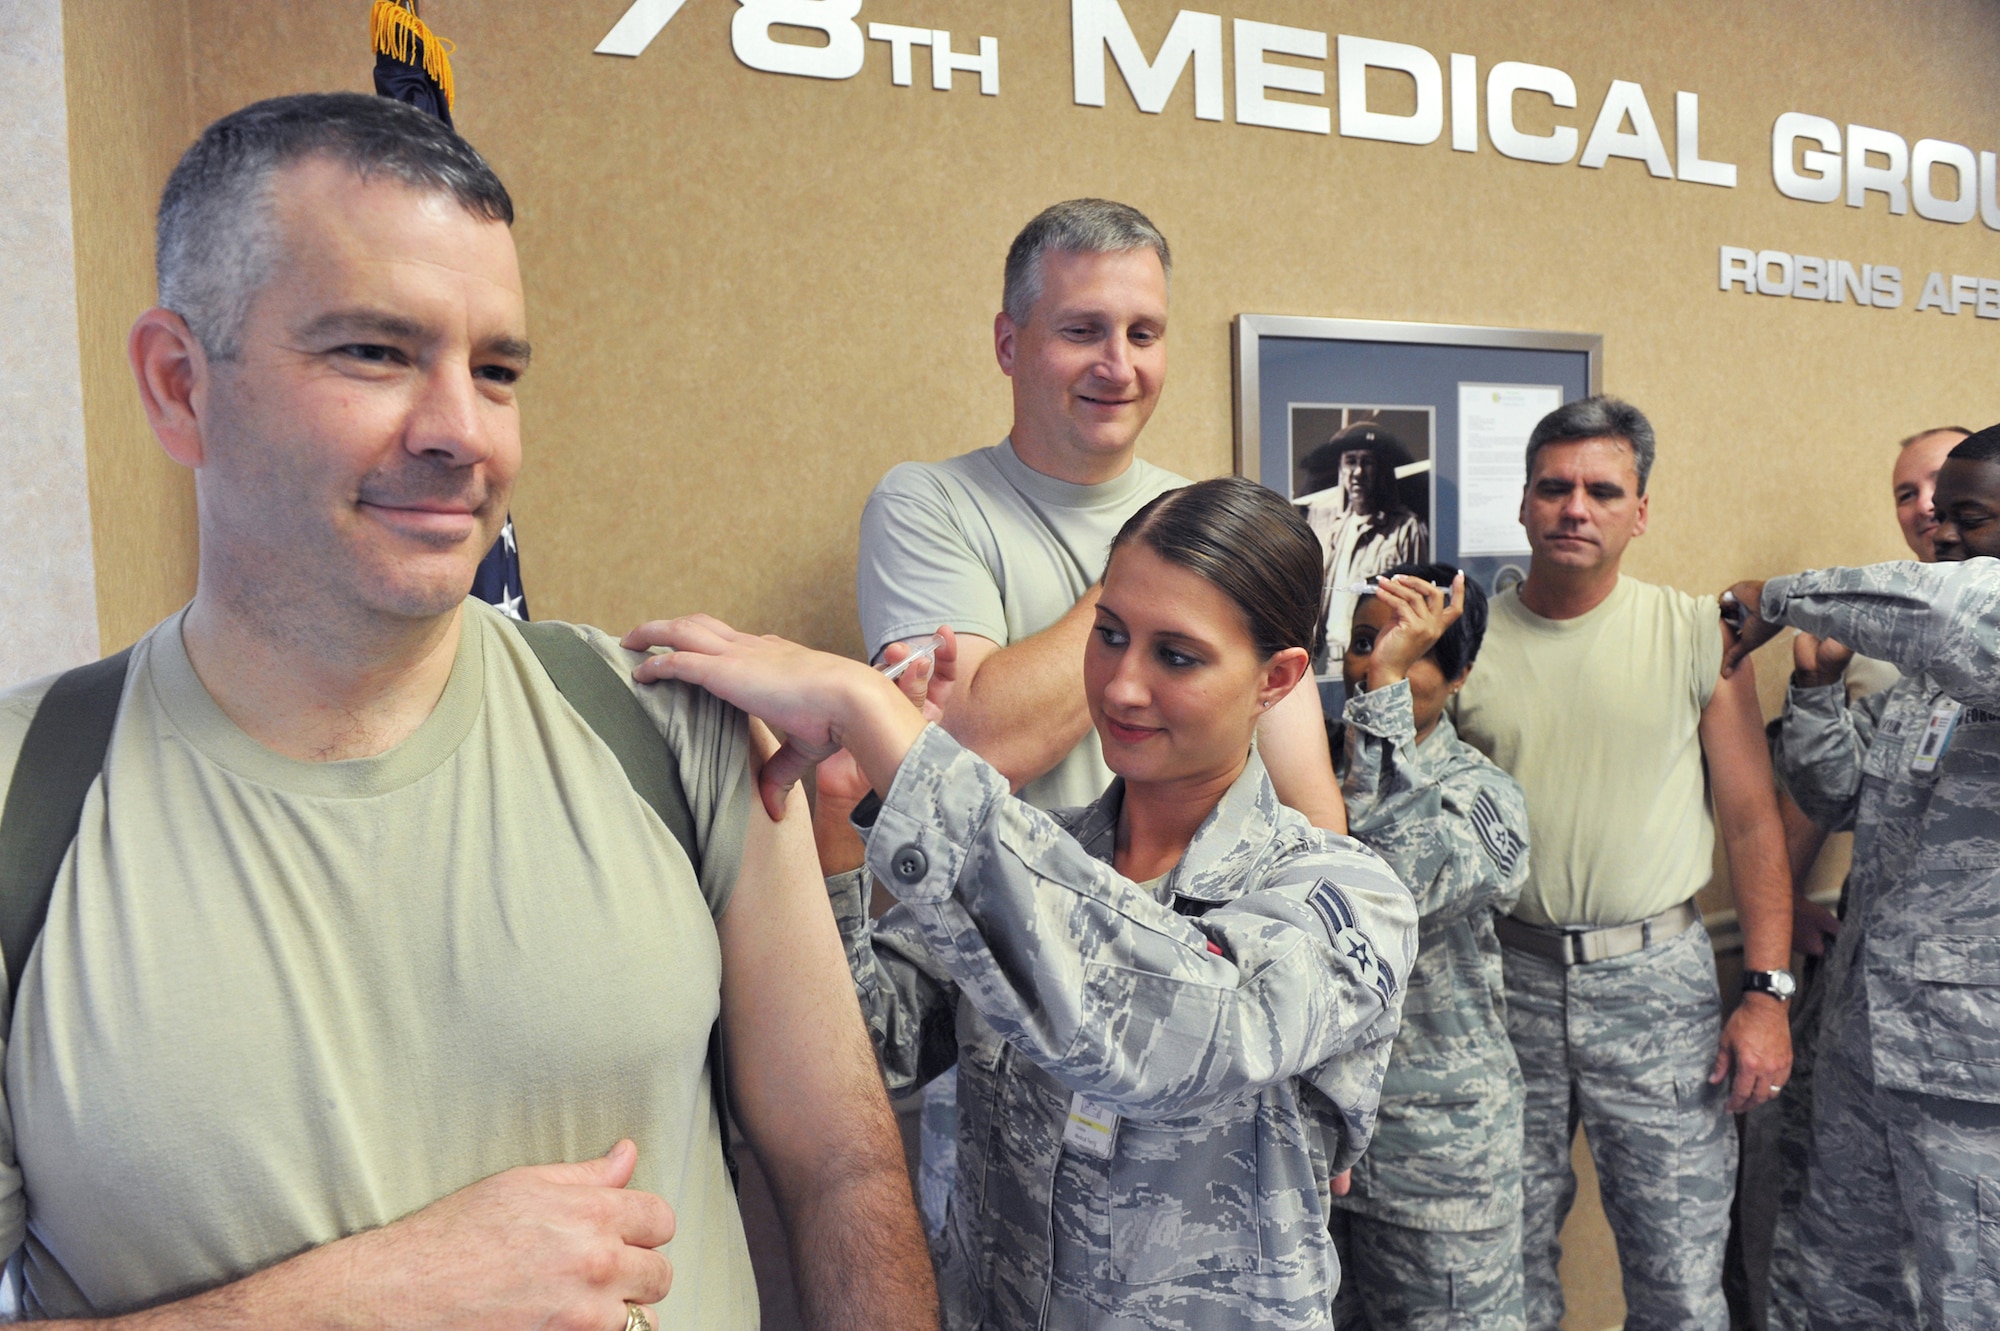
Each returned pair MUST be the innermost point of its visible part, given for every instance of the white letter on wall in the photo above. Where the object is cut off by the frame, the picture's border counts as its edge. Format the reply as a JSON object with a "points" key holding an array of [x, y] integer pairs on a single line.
{"points": [[1357, 55], [636, 28], [986, 64], [1511, 76], [1863, 177], [1687, 155], [900, 40], [1934, 297], [1810, 280], [1937, 152], [1255, 75], [1887, 284], [1774, 286], [1464, 104], [1989, 182], [1099, 25], [1608, 138], [1845, 279], [1790, 128], [1739, 265], [841, 57]]}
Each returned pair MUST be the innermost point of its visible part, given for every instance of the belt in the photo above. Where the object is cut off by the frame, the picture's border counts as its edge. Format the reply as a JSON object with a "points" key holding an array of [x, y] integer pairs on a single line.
{"points": [[1578, 945]]}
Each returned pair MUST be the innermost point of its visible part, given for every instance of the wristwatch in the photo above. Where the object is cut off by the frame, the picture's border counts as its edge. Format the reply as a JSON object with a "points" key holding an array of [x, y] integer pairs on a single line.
{"points": [[1778, 984]]}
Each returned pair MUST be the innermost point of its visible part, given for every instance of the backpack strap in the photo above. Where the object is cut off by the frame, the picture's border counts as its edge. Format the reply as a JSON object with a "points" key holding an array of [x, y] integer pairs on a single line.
{"points": [[587, 681], [604, 700], [61, 756]]}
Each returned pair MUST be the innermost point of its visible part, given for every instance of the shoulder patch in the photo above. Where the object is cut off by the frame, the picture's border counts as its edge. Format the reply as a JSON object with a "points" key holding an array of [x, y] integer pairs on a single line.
{"points": [[1331, 905], [1502, 842]]}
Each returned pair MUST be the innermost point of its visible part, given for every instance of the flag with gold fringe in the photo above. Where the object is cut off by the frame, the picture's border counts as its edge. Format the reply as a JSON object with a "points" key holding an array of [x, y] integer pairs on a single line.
{"points": [[412, 63]]}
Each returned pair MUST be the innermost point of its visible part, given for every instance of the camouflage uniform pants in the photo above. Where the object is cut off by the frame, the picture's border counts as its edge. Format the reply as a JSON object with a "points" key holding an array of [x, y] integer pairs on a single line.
{"points": [[1624, 1047], [1394, 1278], [1900, 1184]]}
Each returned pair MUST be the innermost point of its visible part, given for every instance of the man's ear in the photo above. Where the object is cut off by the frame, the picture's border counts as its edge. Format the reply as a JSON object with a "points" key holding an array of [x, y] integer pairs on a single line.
{"points": [[173, 373], [1003, 343], [1282, 673], [1645, 508]]}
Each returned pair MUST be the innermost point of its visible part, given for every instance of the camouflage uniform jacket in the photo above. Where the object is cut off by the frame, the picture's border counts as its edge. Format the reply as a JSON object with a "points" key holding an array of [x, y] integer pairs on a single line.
{"points": [[1921, 952], [1454, 827], [1237, 1024]]}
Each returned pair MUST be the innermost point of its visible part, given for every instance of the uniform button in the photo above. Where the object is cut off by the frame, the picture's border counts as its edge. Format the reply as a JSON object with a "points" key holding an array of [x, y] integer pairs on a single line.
{"points": [[910, 865]]}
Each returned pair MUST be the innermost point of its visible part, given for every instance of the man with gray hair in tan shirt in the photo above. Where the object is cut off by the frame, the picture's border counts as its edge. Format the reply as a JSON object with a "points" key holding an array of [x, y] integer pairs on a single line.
{"points": [[1603, 696], [373, 990]]}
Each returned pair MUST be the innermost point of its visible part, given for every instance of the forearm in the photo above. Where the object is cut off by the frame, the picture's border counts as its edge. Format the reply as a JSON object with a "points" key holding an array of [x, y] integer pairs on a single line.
{"points": [[1943, 619], [1746, 815], [1803, 840], [312, 1291], [858, 1252], [1024, 709], [834, 1157], [1292, 741], [1762, 883]]}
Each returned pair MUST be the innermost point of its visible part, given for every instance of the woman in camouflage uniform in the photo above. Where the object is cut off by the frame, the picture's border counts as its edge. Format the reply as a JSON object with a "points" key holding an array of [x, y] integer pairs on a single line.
{"points": [[1430, 1233], [1170, 1009]]}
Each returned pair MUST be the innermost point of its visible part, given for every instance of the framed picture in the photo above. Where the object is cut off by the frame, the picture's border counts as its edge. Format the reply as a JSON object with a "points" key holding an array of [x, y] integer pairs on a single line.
{"points": [[1400, 442]]}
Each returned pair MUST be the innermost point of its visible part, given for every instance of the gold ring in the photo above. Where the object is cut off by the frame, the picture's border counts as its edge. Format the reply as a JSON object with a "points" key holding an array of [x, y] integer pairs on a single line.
{"points": [[637, 1318]]}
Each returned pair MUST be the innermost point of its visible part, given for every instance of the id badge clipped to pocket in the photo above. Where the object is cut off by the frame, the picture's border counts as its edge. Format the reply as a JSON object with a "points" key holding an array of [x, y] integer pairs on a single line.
{"points": [[1937, 736], [1092, 1129]]}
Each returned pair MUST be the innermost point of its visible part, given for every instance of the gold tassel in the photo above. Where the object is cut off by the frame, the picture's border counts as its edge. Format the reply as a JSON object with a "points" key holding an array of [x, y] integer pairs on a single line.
{"points": [[396, 32]]}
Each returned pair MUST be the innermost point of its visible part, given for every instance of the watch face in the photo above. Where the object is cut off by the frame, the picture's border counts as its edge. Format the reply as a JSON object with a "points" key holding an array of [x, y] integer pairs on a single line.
{"points": [[1778, 984]]}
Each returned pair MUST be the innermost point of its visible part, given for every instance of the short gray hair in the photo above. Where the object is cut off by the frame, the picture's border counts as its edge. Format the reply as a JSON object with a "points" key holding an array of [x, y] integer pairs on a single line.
{"points": [[1596, 418], [1078, 226], [1958, 430], [216, 243]]}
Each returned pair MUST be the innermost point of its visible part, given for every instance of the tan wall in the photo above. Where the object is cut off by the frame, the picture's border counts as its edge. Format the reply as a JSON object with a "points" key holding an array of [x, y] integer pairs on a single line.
{"points": [[126, 65], [751, 294]]}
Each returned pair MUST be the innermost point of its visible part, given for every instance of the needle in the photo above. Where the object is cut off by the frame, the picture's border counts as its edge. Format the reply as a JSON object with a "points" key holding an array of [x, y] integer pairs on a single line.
{"points": [[924, 651]]}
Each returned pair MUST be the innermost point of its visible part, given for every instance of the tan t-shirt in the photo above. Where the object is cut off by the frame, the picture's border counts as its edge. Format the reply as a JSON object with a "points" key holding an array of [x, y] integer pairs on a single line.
{"points": [[277, 1002], [987, 544], [1599, 718]]}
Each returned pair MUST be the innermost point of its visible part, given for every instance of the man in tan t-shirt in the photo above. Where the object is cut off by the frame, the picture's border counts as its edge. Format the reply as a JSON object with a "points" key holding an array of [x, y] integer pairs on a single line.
{"points": [[371, 992], [1603, 696]]}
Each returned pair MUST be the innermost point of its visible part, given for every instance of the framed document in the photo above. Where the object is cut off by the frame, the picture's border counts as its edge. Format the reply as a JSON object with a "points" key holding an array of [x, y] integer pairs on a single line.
{"points": [[1401, 442]]}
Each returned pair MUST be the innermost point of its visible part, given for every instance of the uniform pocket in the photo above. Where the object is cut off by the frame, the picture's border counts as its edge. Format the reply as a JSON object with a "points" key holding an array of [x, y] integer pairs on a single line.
{"points": [[1184, 1197], [1958, 822], [1886, 753], [1960, 995]]}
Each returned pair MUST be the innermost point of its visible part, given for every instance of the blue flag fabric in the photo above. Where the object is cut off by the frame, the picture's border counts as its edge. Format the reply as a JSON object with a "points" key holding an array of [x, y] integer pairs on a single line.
{"points": [[498, 581]]}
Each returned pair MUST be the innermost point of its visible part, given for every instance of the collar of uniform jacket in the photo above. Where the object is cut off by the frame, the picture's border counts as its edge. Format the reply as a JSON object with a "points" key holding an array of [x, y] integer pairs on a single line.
{"points": [[1212, 870]]}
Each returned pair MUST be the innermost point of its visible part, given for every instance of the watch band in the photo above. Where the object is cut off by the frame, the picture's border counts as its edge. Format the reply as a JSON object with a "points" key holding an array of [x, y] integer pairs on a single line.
{"points": [[1778, 984]]}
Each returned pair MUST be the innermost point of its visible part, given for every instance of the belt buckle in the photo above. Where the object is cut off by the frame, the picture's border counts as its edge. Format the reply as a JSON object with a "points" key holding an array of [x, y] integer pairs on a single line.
{"points": [[1573, 947]]}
